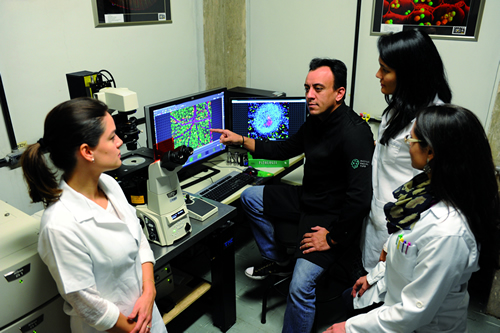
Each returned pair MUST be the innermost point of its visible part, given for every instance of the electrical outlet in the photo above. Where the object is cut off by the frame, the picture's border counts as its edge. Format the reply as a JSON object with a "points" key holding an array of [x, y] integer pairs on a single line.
{"points": [[21, 145]]}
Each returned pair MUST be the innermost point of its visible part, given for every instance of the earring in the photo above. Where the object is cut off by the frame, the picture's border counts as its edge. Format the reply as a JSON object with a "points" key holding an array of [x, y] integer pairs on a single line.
{"points": [[93, 160], [427, 167]]}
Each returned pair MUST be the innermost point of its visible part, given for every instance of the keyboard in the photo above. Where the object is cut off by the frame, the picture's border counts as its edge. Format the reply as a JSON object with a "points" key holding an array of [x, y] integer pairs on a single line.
{"points": [[226, 186]]}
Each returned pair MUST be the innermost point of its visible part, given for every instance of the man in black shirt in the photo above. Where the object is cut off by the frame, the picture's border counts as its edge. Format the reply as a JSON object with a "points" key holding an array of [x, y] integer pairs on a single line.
{"points": [[329, 207]]}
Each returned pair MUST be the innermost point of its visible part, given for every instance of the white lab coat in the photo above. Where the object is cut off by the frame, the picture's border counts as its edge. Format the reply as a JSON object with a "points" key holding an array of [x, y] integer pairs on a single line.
{"points": [[426, 285], [391, 168], [84, 245]]}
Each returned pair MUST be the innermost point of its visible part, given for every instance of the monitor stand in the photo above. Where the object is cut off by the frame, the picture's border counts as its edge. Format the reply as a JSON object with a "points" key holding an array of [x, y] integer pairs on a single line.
{"points": [[194, 170]]}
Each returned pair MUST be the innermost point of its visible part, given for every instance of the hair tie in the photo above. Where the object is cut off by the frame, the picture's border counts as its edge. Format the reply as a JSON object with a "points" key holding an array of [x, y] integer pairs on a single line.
{"points": [[42, 144]]}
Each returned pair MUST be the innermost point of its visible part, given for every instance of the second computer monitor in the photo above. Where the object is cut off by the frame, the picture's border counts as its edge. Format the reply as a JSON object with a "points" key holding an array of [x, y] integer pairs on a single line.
{"points": [[274, 119]]}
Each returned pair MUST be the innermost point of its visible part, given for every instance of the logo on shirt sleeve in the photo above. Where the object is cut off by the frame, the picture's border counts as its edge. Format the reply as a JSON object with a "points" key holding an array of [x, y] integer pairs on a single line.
{"points": [[355, 163]]}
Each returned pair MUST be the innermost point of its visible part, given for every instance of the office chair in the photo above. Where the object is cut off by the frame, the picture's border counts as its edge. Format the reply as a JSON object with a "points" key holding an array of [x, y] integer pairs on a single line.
{"points": [[340, 275]]}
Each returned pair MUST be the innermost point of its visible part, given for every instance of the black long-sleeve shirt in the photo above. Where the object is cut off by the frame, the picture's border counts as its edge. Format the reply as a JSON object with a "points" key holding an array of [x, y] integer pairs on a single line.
{"points": [[337, 183]]}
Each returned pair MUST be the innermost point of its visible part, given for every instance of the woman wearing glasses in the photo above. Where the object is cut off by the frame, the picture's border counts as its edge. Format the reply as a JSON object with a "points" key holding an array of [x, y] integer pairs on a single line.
{"points": [[439, 219], [412, 76]]}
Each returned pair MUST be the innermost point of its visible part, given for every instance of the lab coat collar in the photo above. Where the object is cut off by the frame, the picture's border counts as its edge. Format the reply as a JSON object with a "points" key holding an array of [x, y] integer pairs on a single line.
{"points": [[440, 210], [83, 209]]}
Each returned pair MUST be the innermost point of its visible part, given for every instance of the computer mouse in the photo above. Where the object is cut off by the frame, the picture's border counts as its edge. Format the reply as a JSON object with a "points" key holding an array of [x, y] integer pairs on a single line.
{"points": [[251, 171]]}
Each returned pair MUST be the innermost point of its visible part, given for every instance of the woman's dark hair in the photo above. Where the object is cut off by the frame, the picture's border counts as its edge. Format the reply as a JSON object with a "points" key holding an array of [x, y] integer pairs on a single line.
{"points": [[420, 75], [463, 172], [67, 126]]}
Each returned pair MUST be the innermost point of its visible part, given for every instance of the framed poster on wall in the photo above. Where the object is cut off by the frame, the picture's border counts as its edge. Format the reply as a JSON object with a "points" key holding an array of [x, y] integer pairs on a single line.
{"points": [[131, 12], [447, 19]]}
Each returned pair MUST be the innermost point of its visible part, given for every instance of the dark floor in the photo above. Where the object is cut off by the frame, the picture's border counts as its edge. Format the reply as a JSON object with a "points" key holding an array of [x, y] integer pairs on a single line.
{"points": [[197, 318]]}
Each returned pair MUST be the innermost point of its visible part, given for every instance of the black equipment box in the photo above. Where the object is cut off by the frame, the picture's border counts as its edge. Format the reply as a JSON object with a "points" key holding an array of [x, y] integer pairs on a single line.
{"points": [[132, 175], [251, 92]]}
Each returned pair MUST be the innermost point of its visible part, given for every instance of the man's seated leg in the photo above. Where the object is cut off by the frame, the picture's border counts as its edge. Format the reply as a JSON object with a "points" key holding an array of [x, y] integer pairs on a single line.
{"points": [[267, 267], [301, 307], [276, 259]]}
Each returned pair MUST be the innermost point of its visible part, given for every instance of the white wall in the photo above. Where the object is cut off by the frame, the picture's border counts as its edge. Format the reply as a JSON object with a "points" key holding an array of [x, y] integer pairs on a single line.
{"points": [[41, 42], [284, 35], [471, 65]]}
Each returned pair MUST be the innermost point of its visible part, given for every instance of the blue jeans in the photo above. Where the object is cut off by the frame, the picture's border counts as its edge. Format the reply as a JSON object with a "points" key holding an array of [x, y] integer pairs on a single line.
{"points": [[252, 202], [300, 308], [301, 303]]}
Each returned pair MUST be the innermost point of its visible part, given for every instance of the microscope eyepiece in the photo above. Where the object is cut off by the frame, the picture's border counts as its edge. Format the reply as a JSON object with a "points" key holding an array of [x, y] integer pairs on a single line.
{"points": [[173, 158]]}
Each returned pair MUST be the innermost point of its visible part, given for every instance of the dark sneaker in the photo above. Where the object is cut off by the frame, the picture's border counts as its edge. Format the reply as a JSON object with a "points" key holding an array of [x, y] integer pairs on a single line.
{"points": [[267, 268]]}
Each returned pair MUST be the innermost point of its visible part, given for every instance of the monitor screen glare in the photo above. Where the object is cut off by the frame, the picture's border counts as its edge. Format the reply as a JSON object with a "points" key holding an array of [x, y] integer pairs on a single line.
{"points": [[187, 121]]}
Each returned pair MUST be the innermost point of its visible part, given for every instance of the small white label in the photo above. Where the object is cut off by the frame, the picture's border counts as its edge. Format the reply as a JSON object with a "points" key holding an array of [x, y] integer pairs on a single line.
{"points": [[114, 18], [391, 27], [162, 17], [459, 30]]}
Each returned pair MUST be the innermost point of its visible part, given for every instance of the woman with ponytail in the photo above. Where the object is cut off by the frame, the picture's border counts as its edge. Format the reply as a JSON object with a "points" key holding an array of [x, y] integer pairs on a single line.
{"points": [[107, 286]]}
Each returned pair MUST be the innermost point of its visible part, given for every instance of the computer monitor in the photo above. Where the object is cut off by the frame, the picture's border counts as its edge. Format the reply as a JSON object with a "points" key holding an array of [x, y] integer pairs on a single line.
{"points": [[187, 121], [273, 118]]}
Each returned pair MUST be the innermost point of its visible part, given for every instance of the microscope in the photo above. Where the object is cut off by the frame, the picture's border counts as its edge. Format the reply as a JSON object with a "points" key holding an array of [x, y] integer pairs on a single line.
{"points": [[125, 102], [98, 85], [165, 218]]}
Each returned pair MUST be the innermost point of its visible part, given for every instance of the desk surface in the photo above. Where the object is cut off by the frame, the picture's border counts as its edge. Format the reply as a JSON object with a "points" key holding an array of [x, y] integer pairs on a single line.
{"points": [[225, 168]]}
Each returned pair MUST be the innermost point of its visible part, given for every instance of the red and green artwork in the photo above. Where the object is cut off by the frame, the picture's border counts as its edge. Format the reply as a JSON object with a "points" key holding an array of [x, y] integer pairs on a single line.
{"points": [[426, 12]]}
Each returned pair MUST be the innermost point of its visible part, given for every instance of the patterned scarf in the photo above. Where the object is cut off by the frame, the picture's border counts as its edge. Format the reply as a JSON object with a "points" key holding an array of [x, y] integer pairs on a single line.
{"points": [[413, 198]]}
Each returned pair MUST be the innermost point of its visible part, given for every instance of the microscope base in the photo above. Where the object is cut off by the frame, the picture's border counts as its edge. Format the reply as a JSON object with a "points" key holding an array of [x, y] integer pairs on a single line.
{"points": [[158, 229]]}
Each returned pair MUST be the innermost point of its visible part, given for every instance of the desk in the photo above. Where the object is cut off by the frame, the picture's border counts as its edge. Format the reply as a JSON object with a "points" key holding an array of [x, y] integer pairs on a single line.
{"points": [[218, 231], [220, 163], [294, 177]]}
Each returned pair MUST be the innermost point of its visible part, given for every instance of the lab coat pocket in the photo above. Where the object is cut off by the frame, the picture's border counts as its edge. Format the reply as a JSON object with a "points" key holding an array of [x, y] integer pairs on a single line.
{"points": [[377, 215], [126, 292], [390, 154], [404, 259]]}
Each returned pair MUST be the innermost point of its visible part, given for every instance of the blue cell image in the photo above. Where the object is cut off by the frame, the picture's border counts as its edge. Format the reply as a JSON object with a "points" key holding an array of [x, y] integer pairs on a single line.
{"points": [[268, 121]]}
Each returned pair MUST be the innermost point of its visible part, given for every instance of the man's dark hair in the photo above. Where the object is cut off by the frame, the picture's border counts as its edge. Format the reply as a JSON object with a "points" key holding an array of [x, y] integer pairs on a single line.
{"points": [[337, 67]]}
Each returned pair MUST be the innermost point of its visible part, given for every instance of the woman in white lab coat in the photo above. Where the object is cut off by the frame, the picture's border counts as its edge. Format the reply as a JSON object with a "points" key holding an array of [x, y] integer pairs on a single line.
{"points": [[435, 226], [412, 76], [90, 237]]}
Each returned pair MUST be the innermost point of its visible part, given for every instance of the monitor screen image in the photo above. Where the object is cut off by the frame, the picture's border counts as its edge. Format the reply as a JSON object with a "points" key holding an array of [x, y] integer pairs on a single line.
{"points": [[187, 121], [273, 119]]}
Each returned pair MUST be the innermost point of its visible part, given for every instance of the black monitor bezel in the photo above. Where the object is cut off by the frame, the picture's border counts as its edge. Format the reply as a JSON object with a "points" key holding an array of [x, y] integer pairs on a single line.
{"points": [[151, 108]]}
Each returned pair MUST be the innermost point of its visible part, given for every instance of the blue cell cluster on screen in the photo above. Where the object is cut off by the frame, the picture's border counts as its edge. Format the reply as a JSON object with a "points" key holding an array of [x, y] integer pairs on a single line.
{"points": [[268, 121]]}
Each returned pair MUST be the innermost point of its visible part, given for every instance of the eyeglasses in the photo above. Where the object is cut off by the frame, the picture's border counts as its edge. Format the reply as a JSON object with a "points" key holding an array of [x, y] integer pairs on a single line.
{"points": [[409, 139]]}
